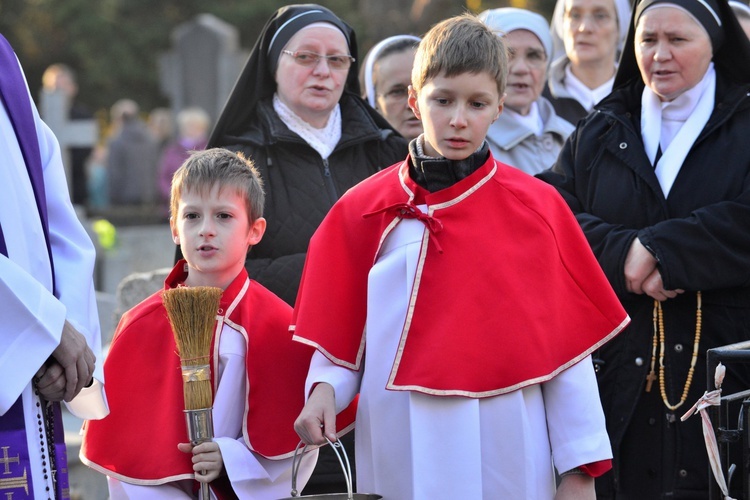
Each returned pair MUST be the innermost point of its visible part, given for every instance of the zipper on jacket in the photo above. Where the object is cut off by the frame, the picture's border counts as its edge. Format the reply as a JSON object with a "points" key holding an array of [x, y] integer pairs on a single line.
{"points": [[328, 180]]}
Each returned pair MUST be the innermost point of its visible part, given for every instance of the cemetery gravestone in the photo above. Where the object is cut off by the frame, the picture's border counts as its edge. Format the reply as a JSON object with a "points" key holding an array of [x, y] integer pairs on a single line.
{"points": [[202, 66], [70, 133]]}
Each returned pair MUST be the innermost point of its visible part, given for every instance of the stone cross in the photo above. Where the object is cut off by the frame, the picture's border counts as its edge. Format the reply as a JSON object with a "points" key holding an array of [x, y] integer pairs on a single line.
{"points": [[69, 133], [202, 66]]}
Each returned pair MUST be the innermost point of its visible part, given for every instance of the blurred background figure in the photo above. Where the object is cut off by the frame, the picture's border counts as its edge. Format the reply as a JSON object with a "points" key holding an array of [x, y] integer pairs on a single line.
{"points": [[62, 77], [96, 173], [161, 126], [587, 38], [528, 134], [742, 11], [193, 125], [132, 157], [385, 78]]}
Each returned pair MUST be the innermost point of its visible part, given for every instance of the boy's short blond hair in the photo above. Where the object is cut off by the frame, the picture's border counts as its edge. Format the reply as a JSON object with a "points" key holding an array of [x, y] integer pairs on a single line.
{"points": [[204, 169], [460, 44]]}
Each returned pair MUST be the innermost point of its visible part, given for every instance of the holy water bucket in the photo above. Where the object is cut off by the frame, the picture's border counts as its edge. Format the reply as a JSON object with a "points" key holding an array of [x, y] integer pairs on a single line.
{"points": [[346, 469]]}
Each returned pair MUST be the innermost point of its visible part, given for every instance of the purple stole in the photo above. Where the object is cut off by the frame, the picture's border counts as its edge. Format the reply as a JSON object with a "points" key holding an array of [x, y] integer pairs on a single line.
{"points": [[15, 466]]}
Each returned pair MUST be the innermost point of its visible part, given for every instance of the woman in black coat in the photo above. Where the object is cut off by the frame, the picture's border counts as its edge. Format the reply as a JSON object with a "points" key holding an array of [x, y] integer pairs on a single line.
{"points": [[671, 231], [320, 108]]}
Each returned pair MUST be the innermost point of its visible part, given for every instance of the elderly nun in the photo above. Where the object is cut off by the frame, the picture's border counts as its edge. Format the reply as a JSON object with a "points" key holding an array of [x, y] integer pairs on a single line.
{"points": [[587, 37], [528, 134], [659, 179], [385, 79], [296, 111]]}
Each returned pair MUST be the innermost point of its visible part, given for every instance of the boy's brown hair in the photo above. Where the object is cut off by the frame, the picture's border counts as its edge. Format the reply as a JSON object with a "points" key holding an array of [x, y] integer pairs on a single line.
{"points": [[460, 44], [204, 169]]}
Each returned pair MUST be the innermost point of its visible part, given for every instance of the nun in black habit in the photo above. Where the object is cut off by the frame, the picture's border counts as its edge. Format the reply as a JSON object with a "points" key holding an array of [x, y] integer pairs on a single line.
{"points": [[658, 176], [296, 111]]}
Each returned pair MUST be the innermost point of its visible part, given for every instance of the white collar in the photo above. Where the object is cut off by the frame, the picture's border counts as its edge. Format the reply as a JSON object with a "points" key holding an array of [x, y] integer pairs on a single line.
{"points": [[586, 96], [323, 140], [679, 136], [682, 106], [532, 121]]}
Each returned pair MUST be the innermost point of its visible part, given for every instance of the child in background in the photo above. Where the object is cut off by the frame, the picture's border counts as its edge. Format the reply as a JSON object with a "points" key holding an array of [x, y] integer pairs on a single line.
{"points": [[216, 216], [460, 299]]}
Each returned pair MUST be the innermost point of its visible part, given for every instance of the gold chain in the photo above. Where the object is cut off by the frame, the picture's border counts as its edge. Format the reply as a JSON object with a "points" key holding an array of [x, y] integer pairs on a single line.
{"points": [[658, 318]]}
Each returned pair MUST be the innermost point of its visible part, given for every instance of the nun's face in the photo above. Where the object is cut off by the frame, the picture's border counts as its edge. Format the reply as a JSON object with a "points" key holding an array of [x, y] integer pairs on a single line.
{"points": [[527, 70], [590, 32], [312, 92], [392, 76], [673, 51]]}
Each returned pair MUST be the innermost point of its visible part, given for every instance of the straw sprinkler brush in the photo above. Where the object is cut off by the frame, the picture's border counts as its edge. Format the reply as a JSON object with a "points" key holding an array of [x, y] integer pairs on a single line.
{"points": [[192, 314]]}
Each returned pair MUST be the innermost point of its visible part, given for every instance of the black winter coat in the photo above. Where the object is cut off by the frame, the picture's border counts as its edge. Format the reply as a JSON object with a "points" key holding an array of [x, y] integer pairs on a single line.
{"points": [[301, 187], [701, 238]]}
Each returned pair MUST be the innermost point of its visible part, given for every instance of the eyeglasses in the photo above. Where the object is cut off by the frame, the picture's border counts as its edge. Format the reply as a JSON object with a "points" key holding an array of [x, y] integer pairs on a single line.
{"points": [[399, 93], [311, 59]]}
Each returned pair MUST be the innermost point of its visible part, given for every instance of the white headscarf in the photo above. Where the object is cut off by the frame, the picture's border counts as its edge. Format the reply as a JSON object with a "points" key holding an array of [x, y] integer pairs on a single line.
{"points": [[507, 19], [622, 8], [737, 6], [372, 57]]}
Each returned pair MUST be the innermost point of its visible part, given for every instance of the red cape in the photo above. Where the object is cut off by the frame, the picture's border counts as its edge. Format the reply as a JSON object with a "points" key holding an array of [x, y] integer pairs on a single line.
{"points": [[137, 441], [507, 292]]}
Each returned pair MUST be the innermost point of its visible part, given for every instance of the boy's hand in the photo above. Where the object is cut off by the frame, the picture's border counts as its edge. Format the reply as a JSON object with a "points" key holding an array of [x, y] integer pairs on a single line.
{"points": [[207, 461], [318, 416], [576, 487]]}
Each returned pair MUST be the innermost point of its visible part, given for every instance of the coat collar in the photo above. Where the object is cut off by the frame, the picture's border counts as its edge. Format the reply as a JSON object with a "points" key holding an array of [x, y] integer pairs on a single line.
{"points": [[507, 133], [624, 106], [267, 128]]}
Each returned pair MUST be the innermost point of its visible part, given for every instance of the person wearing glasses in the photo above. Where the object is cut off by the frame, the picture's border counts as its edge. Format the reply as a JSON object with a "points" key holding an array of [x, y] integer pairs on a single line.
{"points": [[528, 134], [385, 78], [296, 111], [587, 38]]}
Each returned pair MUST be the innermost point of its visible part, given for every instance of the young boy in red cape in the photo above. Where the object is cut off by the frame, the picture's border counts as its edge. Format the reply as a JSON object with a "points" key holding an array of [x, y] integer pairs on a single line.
{"points": [[460, 299], [258, 372]]}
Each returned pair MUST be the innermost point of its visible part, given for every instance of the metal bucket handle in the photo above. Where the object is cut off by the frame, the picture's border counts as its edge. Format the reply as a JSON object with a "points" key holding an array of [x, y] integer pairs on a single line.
{"points": [[345, 466]]}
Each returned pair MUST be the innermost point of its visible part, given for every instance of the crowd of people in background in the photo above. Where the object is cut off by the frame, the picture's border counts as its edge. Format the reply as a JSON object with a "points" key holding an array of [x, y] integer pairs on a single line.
{"points": [[581, 46], [133, 162], [624, 114]]}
